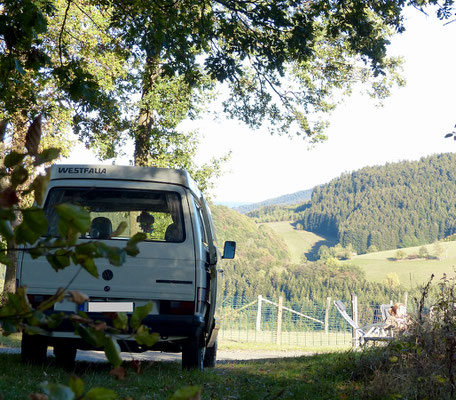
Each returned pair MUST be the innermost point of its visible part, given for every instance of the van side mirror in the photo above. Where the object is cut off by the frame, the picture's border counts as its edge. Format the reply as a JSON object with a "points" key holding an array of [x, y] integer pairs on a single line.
{"points": [[229, 250]]}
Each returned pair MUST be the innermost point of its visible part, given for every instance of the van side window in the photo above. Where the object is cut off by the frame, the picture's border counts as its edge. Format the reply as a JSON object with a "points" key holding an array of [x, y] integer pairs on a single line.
{"points": [[158, 214]]}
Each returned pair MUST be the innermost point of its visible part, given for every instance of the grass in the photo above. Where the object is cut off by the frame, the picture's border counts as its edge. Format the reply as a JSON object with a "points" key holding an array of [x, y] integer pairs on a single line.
{"points": [[304, 340], [13, 340], [411, 273], [299, 242], [324, 376]]}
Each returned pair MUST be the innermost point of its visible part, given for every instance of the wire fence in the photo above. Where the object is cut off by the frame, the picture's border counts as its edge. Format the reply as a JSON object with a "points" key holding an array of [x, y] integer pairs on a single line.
{"points": [[274, 321]]}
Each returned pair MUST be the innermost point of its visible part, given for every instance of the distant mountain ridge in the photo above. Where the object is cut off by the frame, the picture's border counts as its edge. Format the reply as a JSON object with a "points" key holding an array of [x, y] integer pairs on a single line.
{"points": [[292, 198]]}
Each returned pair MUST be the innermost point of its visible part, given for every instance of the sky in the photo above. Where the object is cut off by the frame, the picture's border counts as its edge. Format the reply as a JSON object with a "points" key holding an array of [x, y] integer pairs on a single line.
{"points": [[410, 125]]}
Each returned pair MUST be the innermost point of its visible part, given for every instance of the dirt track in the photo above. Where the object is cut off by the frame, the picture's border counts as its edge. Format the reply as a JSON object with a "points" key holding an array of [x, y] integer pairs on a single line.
{"points": [[222, 355]]}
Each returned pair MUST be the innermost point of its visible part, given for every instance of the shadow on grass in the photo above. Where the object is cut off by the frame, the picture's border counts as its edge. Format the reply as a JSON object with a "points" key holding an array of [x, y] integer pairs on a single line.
{"points": [[323, 376], [312, 254]]}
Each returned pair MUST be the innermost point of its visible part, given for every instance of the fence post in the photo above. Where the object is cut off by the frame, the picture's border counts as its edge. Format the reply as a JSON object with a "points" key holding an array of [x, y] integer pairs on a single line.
{"points": [[354, 300], [279, 320], [258, 319], [405, 299], [328, 306]]}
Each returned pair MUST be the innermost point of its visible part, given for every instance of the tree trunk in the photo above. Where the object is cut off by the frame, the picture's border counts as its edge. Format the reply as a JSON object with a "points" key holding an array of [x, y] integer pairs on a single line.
{"points": [[9, 285], [144, 129], [20, 123]]}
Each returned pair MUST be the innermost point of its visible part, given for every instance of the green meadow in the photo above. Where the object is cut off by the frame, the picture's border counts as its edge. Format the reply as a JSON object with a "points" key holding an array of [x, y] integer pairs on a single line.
{"points": [[299, 242], [411, 273], [377, 266]]}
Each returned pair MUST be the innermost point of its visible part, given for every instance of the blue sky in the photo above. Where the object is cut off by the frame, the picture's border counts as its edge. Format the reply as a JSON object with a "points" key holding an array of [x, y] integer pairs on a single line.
{"points": [[410, 125]]}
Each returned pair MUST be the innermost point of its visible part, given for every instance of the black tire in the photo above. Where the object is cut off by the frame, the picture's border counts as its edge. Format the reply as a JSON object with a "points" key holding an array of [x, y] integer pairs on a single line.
{"points": [[210, 357], [193, 352], [65, 355], [33, 349]]}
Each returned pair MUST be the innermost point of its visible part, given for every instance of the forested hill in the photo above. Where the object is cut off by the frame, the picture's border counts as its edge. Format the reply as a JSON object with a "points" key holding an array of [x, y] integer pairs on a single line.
{"points": [[262, 266], [293, 198], [397, 205]]}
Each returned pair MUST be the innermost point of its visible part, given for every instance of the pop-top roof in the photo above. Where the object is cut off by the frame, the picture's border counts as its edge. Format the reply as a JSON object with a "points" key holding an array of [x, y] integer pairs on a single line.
{"points": [[122, 172]]}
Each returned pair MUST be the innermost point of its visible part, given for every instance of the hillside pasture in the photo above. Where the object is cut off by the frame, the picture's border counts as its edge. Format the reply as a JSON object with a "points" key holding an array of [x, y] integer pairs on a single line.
{"points": [[411, 273], [300, 242]]}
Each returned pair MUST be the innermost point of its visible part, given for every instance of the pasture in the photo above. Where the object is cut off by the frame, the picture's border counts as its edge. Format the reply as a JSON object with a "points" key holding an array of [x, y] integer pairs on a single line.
{"points": [[411, 273], [299, 242]]}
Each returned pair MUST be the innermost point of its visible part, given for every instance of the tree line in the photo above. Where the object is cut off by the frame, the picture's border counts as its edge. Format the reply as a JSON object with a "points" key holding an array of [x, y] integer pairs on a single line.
{"points": [[262, 266], [403, 204]]}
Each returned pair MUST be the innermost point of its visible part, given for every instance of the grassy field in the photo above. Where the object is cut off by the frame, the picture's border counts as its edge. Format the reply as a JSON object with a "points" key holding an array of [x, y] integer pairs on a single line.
{"points": [[324, 376], [377, 266], [309, 341], [299, 242], [411, 273]]}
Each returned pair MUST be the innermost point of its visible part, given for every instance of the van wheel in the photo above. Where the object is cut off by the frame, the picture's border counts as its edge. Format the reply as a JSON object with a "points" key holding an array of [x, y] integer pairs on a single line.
{"points": [[193, 354], [33, 348], [65, 355], [211, 356]]}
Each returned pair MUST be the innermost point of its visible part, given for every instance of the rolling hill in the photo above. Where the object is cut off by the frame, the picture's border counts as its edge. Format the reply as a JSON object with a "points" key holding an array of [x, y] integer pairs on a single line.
{"points": [[377, 265]]}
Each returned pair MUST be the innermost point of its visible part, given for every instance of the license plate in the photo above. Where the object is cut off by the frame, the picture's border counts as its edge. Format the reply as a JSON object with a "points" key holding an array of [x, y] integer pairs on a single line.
{"points": [[109, 306]]}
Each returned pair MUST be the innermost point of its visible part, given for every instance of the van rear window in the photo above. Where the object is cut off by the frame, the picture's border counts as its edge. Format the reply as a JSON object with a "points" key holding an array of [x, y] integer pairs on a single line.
{"points": [[156, 213]]}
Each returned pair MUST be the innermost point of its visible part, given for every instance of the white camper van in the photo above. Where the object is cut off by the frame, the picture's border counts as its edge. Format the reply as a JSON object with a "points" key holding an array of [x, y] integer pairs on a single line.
{"points": [[176, 268]]}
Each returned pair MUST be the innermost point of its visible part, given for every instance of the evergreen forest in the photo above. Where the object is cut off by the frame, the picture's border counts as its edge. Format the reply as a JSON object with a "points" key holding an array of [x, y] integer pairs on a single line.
{"points": [[403, 204], [262, 266]]}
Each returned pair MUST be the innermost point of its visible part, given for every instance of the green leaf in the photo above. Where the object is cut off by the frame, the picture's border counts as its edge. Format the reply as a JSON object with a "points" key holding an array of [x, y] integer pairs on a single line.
{"points": [[18, 66], [17, 302], [8, 328], [4, 259], [116, 256], [59, 261], [37, 318], [57, 391], [121, 321], [187, 393], [36, 252], [7, 213], [99, 393], [32, 227], [144, 337], [46, 156], [13, 159], [112, 351], [19, 176], [139, 314], [77, 385], [89, 265], [24, 234], [74, 216], [6, 231], [131, 248], [39, 186], [35, 218], [91, 336]]}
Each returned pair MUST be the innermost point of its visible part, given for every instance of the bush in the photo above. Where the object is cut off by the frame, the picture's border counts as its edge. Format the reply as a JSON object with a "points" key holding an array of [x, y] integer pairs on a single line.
{"points": [[420, 364]]}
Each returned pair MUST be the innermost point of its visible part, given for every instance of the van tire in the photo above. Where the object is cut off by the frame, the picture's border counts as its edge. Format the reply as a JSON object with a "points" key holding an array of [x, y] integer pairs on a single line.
{"points": [[65, 355], [193, 352], [33, 348], [210, 357]]}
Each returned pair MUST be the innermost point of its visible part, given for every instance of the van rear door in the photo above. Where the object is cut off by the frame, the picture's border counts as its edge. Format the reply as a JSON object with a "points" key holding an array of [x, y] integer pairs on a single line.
{"points": [[165, 266]]}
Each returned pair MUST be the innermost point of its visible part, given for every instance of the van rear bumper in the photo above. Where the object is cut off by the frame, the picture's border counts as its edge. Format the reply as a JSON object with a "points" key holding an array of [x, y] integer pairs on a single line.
{"points": [[167, 326]]}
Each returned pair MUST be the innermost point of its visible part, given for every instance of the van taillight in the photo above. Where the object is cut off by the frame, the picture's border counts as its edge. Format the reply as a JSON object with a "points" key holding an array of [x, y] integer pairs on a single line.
{"points": [[36, 299], [170, 307]]}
